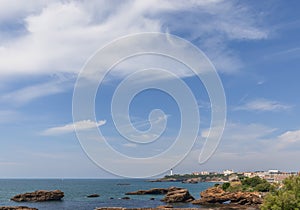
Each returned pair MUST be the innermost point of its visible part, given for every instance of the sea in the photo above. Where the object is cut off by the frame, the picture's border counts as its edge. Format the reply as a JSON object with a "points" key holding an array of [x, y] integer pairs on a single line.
{"points": [[111, 192]]}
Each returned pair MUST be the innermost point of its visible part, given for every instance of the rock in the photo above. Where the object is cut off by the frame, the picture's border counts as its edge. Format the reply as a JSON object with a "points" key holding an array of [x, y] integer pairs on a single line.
{"points": [[178, 195], [125, 198], [16, 208], [93, 196], [216, 195], [227, 207], [38, 196], [191, 181], [166, 180], [152, 199], [165, 207], [153, 191]]}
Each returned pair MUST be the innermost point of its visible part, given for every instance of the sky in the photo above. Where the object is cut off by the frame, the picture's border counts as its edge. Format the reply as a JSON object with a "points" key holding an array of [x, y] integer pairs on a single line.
{"points": [[254, 46]]}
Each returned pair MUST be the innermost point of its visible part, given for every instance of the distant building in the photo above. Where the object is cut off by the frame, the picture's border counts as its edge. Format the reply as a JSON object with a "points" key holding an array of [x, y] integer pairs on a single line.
{"points": [[248, 174], [261, 174], [204, 173], [228, 172], [273, 171], [201, 173]]}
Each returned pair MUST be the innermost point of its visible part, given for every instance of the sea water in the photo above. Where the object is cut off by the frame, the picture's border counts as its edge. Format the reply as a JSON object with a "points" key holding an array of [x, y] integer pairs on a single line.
{"points": [[76, 191]]}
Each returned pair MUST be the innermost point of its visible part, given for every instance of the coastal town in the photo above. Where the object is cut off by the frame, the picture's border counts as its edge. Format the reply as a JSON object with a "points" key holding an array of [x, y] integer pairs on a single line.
{"points": [[272, 176]]}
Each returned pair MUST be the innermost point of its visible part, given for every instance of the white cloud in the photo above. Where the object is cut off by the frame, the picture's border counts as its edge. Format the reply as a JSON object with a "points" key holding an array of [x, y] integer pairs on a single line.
{"points": [[263, 105], [31, 92], [288, 139], [61, 35], [68, 128], [291, 136]]}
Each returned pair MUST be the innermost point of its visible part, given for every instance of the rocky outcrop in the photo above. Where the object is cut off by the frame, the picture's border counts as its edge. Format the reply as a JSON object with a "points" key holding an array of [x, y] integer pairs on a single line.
{"points": [[172, 194], [39, 196], [93, 196], [153, 191], [227, 207], [166, 180], [178, 195], [16, 208], [165, 207], [216, 195], [192, 181]]}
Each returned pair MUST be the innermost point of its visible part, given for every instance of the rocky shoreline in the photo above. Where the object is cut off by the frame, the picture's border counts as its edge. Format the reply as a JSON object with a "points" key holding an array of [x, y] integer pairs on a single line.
{"points": [[214, 198], [227, 207]]}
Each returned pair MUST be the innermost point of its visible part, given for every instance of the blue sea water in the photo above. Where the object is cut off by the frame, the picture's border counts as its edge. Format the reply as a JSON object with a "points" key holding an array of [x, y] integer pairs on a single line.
{"points": [[76, 191]]}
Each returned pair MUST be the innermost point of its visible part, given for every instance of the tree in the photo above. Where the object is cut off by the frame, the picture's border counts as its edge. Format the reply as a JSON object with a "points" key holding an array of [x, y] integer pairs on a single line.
{"points": [[285, 198], [253, 182]]}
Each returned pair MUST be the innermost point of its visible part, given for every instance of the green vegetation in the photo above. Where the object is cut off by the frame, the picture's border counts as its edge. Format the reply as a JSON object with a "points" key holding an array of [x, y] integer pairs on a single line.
{"points": [[225, 186], [249, 185], [203, 177], [285, 198]]}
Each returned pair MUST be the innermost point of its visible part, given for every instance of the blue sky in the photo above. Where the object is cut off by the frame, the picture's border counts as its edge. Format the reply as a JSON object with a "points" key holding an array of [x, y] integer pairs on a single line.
{"points": [[254, 46]]}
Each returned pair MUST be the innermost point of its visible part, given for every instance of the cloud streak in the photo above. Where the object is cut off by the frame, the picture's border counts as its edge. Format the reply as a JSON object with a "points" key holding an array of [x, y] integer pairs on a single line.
{"points": [[68, 128], [31, 92], [263, 105]]}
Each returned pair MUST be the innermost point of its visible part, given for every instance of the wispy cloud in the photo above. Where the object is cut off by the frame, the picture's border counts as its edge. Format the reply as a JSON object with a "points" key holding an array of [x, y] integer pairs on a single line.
{"points": [[263, 105], [28, 93], [8, 116], [68, 128], [61, 35], [290, 53], [130, 145]]}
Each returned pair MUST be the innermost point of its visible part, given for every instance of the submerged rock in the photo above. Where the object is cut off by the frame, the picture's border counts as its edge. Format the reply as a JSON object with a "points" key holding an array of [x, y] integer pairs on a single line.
{"points": [[39, 196], [93, 196]]}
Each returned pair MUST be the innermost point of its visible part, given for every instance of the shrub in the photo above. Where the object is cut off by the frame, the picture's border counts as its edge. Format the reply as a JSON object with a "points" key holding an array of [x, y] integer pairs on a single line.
{"points": [[217, 185], [225, 186], [286, 198]]}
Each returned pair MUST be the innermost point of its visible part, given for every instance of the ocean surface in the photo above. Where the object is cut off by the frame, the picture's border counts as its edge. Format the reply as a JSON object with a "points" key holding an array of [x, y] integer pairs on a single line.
{"points": [[76, 191]]}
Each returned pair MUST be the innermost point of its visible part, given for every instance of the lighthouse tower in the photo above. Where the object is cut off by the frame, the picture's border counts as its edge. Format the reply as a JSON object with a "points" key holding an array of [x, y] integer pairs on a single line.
{"points": [[171, 172]]}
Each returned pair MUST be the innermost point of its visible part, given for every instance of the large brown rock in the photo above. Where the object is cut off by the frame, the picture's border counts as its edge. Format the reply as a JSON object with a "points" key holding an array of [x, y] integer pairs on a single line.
{"points": [[178, 195], [40, 195], [16, 208], [216, 195]]}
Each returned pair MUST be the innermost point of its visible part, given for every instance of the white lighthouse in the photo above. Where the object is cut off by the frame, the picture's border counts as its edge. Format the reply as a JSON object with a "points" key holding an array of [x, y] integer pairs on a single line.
{"points": [[171, 172]]}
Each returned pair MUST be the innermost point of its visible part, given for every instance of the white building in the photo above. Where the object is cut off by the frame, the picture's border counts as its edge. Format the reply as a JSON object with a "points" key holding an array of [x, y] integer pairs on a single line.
{"points": [[201, 173], [273, 171], [228, 172], [248, 174]]}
